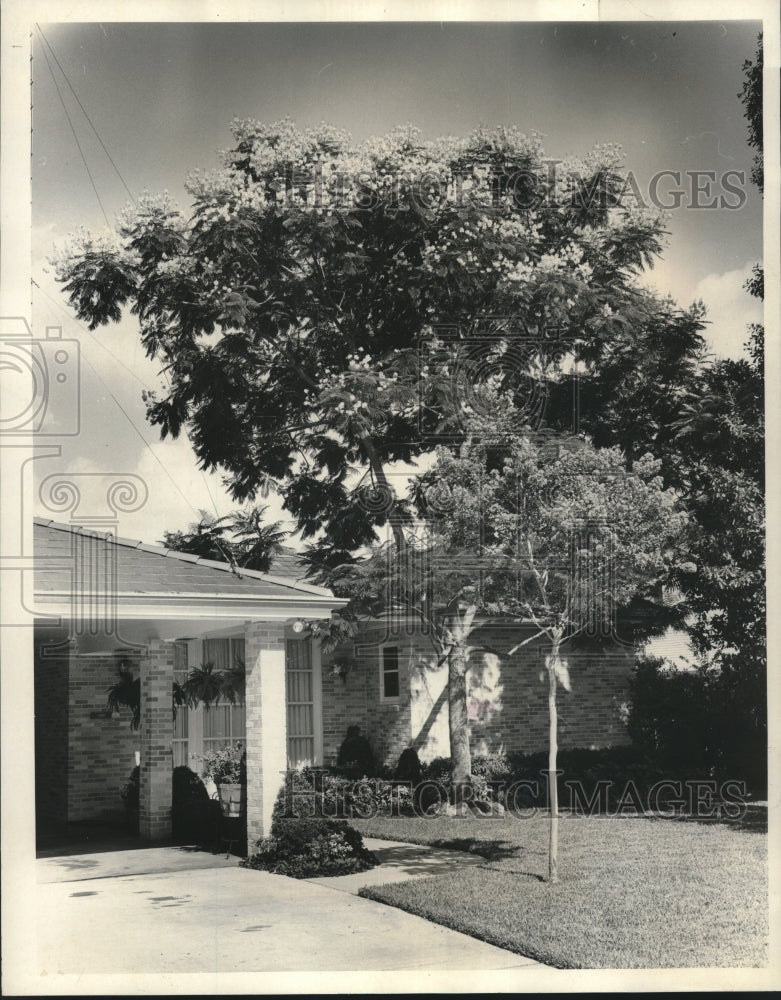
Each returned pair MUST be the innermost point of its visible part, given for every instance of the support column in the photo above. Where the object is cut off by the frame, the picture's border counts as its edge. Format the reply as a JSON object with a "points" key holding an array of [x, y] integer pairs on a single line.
{"points": [[157, 730], [266, 723]]}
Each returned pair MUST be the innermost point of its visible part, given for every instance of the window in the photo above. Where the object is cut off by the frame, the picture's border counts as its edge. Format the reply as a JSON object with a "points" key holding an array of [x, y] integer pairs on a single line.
{"points": [[223, 723], [389, 673], [300, 696], [181, 722], [225, 654], [197, 730]]}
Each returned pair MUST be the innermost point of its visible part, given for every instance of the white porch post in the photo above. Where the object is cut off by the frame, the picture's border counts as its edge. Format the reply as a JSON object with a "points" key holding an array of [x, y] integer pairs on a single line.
{"points": [[157, 729], [266, 723]]}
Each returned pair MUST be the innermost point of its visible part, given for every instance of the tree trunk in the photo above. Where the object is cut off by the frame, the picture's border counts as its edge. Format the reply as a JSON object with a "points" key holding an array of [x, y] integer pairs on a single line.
{"points": [[553, 781], [458, 720]]}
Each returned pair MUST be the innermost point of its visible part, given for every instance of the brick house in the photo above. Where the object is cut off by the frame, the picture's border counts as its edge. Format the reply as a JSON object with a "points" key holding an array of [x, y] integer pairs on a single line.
{"points": [[102, 602], [389, 684]]}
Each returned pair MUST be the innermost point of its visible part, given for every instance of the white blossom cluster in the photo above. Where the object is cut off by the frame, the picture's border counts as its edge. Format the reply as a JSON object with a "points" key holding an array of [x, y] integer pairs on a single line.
{"points": [[319, 169], [81, 244]]}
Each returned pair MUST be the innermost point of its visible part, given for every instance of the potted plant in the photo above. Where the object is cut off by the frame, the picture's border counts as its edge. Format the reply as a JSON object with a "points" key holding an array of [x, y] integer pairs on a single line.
{"points": [[226, 767]]}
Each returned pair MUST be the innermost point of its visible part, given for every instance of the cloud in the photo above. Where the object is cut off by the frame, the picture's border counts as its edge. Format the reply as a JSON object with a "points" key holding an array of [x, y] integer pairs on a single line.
{"points": [[730, 310]]}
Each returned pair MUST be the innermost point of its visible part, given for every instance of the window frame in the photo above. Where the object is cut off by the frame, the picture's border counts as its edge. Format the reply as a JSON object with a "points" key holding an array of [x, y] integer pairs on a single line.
{"points": [[389, 699]]}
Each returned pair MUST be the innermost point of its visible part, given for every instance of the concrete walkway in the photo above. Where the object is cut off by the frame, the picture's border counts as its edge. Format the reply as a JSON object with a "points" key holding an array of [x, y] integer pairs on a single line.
{"points": [[170, 910], [138, 861], [400, 862]]}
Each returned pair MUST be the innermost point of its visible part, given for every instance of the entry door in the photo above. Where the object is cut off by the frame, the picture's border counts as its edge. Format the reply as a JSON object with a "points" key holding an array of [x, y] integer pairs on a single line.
{"points": [[303, 698]]}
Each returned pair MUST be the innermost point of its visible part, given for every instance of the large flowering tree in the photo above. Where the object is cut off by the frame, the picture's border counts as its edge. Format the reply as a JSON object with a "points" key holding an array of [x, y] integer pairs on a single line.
{"points": [[325, 310]]}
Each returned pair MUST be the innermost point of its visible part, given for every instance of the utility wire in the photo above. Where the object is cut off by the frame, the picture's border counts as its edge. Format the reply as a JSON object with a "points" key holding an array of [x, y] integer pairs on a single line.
{"points": [[89, 333], [105, 216], [76, 138], [140, 381], [143, 439], [84, 112]]}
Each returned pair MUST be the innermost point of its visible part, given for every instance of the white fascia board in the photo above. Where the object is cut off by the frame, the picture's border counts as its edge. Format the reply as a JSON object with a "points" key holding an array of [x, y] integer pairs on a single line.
{"points": [[190, 606]]}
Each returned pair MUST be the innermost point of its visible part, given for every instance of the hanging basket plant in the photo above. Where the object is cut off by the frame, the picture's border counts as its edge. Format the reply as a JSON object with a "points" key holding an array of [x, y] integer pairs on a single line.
{"points": [[126, 693], [234, 683], [203, 686]]}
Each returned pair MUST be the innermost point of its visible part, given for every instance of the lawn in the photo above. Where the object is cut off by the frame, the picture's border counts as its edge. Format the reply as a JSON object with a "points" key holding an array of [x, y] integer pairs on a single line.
{"points": [[633, 892]]}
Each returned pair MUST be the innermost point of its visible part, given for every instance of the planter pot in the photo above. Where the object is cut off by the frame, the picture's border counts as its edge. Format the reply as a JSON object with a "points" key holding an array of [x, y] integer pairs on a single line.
{"points": [[231, 800]]}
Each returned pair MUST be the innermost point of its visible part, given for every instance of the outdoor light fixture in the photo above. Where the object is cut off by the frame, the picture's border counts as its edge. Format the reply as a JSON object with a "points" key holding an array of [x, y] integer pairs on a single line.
{"points": [[298, 625]]}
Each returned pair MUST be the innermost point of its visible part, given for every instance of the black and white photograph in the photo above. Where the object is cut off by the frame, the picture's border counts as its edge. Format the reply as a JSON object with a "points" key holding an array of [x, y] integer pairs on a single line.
{"points": [[388, 433]]}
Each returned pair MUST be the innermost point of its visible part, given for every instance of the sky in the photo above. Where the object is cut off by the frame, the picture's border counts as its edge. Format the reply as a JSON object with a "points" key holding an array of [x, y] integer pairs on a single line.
{"points": [[161, 97]]}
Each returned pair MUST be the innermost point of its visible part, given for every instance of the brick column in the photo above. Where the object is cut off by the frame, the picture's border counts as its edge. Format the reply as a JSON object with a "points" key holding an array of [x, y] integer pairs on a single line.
{"points": [[266, 723], [157, 671]]}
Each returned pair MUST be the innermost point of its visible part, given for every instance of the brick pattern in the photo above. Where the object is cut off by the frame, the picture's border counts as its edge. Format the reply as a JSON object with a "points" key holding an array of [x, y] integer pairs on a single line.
{"points": [[507, 698], [157, 669], [266, 722], [101, 749], [355, 700], [51, 740]]}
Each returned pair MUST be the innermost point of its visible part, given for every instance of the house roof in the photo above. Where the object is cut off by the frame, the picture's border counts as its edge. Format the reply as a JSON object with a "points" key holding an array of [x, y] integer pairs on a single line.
{"points": [[145, 569]]}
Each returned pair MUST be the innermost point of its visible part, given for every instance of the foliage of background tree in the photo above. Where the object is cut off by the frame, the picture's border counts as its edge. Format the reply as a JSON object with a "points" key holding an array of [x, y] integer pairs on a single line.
{"points": [[751, 97], [252, 545]]}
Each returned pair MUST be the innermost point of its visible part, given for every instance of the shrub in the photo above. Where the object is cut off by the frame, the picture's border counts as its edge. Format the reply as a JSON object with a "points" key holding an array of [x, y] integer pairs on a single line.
{"points": [[312, 792], [227, 765], [131, 794], [130, 791], [710, 722], [409, 767], [356, 757], [194, 816], [440, 770], [307, 847]]}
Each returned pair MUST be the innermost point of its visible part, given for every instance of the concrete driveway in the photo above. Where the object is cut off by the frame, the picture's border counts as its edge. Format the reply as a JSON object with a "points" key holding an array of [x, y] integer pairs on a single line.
{"points": [[167, 910]]}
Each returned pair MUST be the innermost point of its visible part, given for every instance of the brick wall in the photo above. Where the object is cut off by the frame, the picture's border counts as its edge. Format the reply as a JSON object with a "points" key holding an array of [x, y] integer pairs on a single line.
{"points": [[51, 740], [101, 749], [507, 699], [355, 700], [157, 730]]}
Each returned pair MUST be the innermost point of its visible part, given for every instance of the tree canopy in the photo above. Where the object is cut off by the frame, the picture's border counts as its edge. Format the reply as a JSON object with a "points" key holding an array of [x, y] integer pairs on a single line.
{"points": [[241, 538], [325, 310]]}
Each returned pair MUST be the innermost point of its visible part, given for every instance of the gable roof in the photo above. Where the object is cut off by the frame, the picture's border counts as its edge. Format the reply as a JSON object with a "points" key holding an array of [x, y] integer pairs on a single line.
{"points": [[152, 569]]}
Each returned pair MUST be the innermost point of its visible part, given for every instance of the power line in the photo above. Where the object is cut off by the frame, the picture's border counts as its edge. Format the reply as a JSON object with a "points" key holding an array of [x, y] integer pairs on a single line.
{"points": [[140, 381], [76, 138], [84, 112], [48, 45], [89, 333], [141, 436]]}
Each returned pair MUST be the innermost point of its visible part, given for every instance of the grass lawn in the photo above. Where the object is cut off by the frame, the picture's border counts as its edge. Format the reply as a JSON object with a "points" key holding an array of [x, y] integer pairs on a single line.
{"points": [[633, 892]]}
